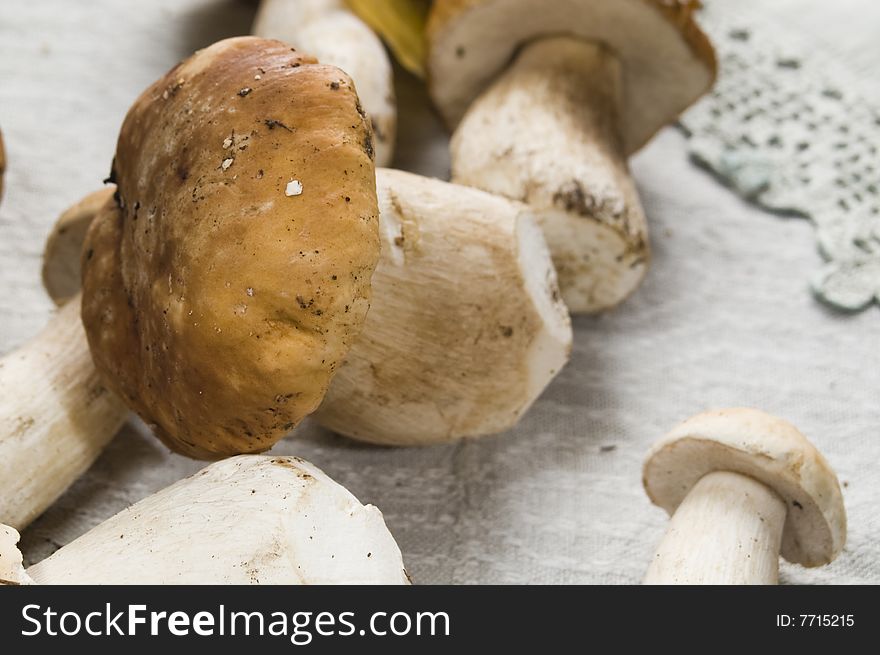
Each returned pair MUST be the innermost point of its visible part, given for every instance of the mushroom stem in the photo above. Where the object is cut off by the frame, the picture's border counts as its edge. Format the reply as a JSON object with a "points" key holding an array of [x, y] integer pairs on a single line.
{"points": [[546, 133], [335, 35], [55, 414], [245, 520], [465, 328], [727, 531]]}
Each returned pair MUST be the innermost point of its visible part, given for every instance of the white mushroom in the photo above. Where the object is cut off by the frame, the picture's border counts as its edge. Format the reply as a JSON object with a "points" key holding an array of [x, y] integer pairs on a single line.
{"points": [[548, 102], [330, 31], [56, 417], [742, 487], [245, 520], [465, 329]]}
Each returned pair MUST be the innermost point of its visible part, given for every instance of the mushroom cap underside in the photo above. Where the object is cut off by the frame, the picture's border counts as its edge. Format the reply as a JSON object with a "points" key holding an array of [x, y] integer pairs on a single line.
{"points": [[668, 62], [768, 449]]}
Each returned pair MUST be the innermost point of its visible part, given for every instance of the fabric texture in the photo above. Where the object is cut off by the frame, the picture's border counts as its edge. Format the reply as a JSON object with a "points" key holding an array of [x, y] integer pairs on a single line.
{"points": [[795, 127], [724, 318]]}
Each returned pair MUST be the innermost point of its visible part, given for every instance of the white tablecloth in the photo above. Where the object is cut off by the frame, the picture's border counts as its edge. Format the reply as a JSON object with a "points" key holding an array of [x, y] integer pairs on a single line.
{"points": [[724, 318]]}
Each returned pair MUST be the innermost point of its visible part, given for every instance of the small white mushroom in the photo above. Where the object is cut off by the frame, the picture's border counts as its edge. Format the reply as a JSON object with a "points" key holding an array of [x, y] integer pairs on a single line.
{"points": [[547, 103], [56, 417], [742, 487], [246, 520], [330, 31]]}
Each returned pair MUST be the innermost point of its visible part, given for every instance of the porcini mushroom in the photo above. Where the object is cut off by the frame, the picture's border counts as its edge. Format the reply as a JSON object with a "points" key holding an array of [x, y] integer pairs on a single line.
{"points": [[547, 103], [246, 520], [742, 487], [330, 31], [217, 301], [466, 327]]}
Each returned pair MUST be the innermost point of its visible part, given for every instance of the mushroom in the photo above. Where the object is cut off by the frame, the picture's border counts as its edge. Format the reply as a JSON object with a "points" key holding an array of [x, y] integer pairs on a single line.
{"points": [[742, 487], [548, 102], [246, 520], [465, 329], [229, 275], [334, 34], [232, 137]]}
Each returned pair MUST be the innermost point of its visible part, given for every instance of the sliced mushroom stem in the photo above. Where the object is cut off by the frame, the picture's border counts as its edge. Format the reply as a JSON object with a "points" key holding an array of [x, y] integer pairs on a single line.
{"points": [[727, 531], [246, 520], [55, 414], [546, 133], [465, 328], [331, 32]]}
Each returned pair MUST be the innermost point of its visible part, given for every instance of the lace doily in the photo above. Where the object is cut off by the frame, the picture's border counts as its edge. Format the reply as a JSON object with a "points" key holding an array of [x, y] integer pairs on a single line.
{"points": [[784, 131]]}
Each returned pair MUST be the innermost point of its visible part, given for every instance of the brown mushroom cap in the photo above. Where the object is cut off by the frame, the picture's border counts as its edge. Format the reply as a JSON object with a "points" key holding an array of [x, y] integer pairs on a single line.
{"points": [[227, 279], [668, 62], [768, 449]]}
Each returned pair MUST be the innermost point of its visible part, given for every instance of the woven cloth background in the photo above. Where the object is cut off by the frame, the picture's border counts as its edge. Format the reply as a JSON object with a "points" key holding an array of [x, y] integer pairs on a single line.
{"points": [[793, 124], [724, 318]]}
